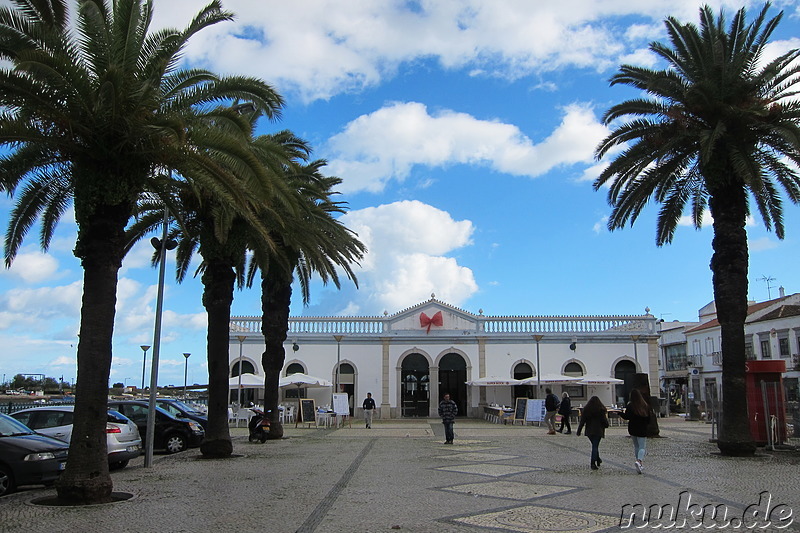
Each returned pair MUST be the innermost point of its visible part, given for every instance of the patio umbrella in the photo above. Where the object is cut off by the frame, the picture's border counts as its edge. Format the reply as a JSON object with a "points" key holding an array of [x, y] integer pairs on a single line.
{"points": [[549, 378], [597, 380], [249, 381], [301, 381], [493, 381]]}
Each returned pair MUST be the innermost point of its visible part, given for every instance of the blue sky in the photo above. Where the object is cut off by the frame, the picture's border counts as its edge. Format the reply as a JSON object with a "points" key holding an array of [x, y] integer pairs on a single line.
{"points": [[464, 133]]}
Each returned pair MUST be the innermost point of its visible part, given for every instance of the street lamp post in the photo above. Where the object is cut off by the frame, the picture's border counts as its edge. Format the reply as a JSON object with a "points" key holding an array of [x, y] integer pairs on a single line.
{"points": [[241, 339], [162, 245], [144, 348], [635, 339], [185, 373], [338, 358], [537, 338]]}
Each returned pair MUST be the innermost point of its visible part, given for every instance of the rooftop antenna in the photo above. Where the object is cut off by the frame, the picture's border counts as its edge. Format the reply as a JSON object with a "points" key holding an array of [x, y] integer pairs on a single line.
{"points": [[767, 280]]}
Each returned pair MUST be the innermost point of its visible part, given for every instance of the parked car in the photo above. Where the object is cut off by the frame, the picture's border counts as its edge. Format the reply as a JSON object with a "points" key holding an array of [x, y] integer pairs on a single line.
{"points": [[27, 458], [124, 442], [182, 410], [172, 434]]}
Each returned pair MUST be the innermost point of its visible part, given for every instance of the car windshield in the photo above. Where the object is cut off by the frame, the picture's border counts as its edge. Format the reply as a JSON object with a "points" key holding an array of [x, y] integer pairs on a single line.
{"points": [[117, 418], [10, 427], [182, 406]]}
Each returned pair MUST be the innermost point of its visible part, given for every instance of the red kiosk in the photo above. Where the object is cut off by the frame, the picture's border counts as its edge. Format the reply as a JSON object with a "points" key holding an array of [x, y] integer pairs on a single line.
{"points": [[759, 407]]}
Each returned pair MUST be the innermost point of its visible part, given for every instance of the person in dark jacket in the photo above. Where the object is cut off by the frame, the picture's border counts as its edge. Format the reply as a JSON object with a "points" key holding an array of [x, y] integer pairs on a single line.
{"points": [[551, 408], [369, 409], [565, 409], [448, 411], [595, 418], [637, 413]]}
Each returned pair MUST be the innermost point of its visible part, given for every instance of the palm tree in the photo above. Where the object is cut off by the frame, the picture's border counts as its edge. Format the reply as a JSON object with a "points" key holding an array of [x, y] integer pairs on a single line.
{"points": [[218, 230], [91, 112], [311, 241], [718, 130]]}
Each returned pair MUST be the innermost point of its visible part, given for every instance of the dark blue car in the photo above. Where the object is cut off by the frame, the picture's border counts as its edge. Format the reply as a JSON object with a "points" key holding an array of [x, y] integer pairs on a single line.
{"points": [[27, 458]]}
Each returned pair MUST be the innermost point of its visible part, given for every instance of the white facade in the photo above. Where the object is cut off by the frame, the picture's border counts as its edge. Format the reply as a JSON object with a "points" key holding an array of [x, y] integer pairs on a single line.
{"points": [[409, 359]]}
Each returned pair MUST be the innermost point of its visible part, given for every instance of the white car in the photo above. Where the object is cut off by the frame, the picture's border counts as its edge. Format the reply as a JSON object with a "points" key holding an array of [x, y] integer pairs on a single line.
{"points": [[124, 442]]}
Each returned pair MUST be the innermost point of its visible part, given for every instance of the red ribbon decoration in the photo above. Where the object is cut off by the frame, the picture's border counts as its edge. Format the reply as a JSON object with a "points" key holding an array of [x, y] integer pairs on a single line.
{"points": [[435, 320]]}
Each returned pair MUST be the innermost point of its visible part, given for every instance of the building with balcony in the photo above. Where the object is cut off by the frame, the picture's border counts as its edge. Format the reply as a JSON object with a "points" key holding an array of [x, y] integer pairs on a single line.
{"points": [[772, 331], [410, 358]]}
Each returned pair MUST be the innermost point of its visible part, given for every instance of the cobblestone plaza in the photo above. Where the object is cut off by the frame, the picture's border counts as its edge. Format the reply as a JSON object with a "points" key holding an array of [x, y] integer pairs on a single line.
{"points": [[399, 476]]}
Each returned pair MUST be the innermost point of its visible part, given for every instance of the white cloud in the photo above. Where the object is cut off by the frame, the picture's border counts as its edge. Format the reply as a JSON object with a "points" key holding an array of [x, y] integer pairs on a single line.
{"points": [[64, 360], [600, 225], [388, 143], [33, 267], [408, 243], [640, 58], [705, 221], [37, 309], [321, 48], [762, 244]]}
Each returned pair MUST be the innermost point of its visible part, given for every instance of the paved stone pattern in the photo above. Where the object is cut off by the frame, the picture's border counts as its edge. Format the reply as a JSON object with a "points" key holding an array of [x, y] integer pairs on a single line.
{"points": [[399, 475]]}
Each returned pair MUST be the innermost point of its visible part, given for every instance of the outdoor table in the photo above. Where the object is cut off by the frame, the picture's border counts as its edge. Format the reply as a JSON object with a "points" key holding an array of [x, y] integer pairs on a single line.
{"points": [[497, 414]]}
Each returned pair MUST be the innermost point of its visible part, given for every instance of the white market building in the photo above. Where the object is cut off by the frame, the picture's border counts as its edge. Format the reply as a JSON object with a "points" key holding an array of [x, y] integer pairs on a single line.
{"points": [[409, 359]]}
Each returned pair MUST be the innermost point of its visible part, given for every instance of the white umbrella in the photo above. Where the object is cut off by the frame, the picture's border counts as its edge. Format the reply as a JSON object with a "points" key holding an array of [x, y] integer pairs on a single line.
{"points": [[248, 381], [549, 378], [597, 380], [493, 381], [301, 380]]}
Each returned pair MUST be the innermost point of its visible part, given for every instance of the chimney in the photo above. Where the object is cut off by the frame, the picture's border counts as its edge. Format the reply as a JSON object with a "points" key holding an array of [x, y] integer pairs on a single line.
{"points": [[781, 292]]}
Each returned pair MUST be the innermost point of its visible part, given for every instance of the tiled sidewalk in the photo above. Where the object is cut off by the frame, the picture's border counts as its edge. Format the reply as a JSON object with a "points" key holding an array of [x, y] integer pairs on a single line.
{"points": [[399, 475]]}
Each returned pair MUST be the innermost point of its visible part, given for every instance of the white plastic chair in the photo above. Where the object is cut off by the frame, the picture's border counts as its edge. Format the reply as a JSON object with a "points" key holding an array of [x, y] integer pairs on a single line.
{"points": [[243, 414]]}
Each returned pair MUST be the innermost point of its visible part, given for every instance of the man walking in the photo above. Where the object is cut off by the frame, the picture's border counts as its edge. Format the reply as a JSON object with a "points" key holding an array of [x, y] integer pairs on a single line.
{"points": [[369, 409], [551, 407], [448, 411]]}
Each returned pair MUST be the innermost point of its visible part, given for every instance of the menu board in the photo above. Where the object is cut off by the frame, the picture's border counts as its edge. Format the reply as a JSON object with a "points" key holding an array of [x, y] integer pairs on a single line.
{"points": [[307, 412], [519, 409], [535, 411], [341, 404]]}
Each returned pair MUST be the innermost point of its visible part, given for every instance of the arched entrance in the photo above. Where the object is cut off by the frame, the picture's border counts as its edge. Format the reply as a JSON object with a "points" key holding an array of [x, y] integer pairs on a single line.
{"points": [[415, 386], [523, 371], [347, 383], [248, 395], [292, 393], [626, 371], [576, 392], [453, 380]]}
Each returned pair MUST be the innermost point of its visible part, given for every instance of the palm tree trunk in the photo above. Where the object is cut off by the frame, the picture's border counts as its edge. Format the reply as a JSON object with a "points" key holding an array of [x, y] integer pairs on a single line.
{"points": [[276, 297], [218, 281], [729, 265], [86, 479]]}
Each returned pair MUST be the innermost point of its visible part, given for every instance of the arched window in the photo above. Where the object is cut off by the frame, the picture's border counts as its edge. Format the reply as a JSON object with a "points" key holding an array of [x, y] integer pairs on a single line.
{"points": [[295, 368], [574, 369], [247, 368], [294, 392]]}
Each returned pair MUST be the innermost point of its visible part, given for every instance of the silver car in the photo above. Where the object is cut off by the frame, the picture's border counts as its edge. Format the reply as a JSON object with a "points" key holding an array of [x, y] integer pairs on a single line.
{"points": [[55, 421]]}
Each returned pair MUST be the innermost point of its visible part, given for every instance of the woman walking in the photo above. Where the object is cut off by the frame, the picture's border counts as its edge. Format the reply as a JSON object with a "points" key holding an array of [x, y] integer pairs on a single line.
{"points": [[637, 413], [595, 418], [565, 409]]}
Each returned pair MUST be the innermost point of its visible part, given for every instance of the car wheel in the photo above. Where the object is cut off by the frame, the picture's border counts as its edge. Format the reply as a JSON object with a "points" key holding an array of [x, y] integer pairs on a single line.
{"points": [[175, 443], [119, 465], [6, 480]]}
